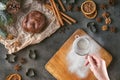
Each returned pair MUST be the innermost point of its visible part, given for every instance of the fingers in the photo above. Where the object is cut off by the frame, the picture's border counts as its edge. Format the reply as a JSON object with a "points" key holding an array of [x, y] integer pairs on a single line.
{"points": [[91, 62], [86, 63]]}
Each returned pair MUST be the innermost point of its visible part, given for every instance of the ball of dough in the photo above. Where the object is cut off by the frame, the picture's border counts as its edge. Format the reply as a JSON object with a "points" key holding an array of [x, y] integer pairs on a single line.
{"points": [[34, 22]]}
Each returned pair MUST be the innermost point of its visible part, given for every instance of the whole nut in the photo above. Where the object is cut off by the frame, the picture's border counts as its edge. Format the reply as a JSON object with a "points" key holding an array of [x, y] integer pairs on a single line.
{"points": [[108, 20], [99, 19], [105, 14], [104, 27], [113, 29]]}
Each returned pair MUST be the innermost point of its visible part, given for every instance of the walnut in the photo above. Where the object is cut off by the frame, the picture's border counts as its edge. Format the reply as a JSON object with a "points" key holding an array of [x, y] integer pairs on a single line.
{"points": [[99, 19], [105, 14], [103, 6], [104, 27], [108, 20], [10, 37], [113, 29], [17, 67]]}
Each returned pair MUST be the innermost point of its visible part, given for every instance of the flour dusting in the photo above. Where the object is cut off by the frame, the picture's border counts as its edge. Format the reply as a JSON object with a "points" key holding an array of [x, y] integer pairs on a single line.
{"points": [[76, 62]]}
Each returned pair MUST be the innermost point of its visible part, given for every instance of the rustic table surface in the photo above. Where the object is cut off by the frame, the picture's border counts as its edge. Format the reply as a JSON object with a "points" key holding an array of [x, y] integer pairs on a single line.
{"points": [[47, 48]]}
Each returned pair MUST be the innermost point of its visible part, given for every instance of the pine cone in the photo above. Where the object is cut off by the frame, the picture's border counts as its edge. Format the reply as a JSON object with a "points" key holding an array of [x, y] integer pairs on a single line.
{"points": [[13, 6]]}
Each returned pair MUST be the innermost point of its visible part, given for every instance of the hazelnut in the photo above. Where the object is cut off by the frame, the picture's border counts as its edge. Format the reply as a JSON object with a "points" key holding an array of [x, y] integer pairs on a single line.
{"points": [[108, 20], [104, 27], [105, 14], [99, 19]]}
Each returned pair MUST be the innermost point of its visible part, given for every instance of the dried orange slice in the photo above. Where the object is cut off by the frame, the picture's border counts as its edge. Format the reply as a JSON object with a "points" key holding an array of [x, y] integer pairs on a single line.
{"points": [[91, 16], [88, 7], [14, 77]]}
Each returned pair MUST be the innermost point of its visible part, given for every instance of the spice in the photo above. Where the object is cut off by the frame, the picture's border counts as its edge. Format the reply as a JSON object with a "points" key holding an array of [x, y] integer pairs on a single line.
{"points": [[105, 14], [23, 60], [17, 67], [70, 7], [104, 27], [108, 20], [111, 2], [103, 6], [77, 8], [99, 19], [113, 29], [14, 77]]}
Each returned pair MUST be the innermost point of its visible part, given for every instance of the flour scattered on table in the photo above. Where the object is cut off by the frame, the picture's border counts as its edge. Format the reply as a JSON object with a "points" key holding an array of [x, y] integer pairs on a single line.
{"points": [[76, 62]]}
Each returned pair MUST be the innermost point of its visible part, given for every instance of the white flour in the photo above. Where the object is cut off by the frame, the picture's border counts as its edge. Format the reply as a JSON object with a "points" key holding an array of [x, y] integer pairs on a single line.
{"points": [[76, 62]]}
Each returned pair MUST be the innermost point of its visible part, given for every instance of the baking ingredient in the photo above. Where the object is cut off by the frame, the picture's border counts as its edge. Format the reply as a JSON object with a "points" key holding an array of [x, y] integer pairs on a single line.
{"points": [[70, 7], [30, 72], [77, 8], [105, 14], [88, 7], [14, 77], [104, 27], [99, 19], [76, 62], [89, 10], [23, 60], [34, 22], [61, 4], [17, 67], [111, 2], [108, 20], [103, 6], [113, 29], [13, 6]]}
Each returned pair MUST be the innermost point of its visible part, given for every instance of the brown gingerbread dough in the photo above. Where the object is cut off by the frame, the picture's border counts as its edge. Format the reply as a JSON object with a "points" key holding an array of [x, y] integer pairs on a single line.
{"points": [[34, 22]]}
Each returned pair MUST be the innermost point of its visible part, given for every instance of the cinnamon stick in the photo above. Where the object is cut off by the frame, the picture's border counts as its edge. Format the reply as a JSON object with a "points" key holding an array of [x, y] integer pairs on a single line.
{"points": [[61, 4], [66, 16], [56, 11], [66, 20]]}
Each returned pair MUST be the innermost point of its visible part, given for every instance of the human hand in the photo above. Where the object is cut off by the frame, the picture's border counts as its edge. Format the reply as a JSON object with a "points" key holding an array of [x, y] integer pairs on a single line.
{"points": [[97, 66]]}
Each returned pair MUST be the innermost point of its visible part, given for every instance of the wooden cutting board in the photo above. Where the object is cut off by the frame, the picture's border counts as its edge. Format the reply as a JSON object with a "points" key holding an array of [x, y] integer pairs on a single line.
{"points": [[57, 65]]}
